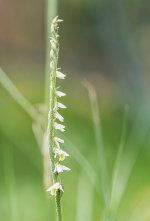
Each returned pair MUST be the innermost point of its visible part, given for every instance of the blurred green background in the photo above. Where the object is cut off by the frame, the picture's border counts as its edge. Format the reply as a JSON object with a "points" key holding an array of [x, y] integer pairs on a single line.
{"points": [[107, 43]]}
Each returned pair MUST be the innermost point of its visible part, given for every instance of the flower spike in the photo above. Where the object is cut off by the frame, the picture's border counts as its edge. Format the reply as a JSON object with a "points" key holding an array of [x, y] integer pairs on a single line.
{"points": [[56, 153]]}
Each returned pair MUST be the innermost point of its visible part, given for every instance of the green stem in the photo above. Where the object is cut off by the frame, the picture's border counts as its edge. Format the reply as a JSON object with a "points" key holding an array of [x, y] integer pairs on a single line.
{"points": [[51, 8], [58, 206]]}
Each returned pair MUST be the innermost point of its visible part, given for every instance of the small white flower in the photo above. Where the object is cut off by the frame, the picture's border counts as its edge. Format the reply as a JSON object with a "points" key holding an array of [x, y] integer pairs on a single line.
{"points": [[60, 105], [54, 188], [59, 117], [60, 94], [60, 168], [55, 19], [57, 139], [61, 154], [57, 145], [59, 127], [60, 75], [60, 20]]}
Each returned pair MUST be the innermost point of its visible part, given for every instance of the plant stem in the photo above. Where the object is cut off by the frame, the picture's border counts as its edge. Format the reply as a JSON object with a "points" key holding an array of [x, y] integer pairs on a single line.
{"points": [[51, 7], [58, 206]]}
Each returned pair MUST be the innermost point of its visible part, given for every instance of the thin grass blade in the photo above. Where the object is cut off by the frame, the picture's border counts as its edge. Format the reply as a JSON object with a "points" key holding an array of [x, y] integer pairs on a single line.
{"points": [[99, 141]]}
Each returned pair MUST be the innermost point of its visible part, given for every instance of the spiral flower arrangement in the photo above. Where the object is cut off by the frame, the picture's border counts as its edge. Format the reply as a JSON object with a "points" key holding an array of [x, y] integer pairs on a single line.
{"points": [[55, 120]]}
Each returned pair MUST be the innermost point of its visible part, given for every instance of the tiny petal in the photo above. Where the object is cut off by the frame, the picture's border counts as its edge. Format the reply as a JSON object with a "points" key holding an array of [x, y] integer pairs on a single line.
{"points": [[59, 127], [54, 188], [55, 19], [60, 94], [60, 105], [60, 168], [59, 117], [61, 154], [60, 20], [57, 139], [60, 75]]}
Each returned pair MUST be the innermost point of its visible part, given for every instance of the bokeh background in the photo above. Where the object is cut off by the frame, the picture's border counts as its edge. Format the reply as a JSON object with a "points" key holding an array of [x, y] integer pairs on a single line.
{"points": [[107, 43]]}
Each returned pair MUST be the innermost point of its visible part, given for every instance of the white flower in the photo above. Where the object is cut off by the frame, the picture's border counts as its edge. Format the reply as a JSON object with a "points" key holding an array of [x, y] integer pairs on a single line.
{"points": [[60, 94], [57, 139], [55, 19], [57, 145], [59, 117], [53, 189], [59, 127], [60, 105], [60, 20], [60, 168], [60, 75], [61, 154]]}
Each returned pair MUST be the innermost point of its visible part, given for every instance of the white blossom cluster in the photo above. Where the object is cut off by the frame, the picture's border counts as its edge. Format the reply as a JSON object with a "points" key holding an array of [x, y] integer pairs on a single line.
{"points": [[55, 117]]}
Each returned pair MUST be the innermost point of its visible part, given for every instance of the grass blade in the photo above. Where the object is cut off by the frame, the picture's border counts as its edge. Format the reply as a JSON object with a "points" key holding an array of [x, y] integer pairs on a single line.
{"points": [[114, 188], [10, 184], [84, 199], [99, 141], [17, 96]]}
